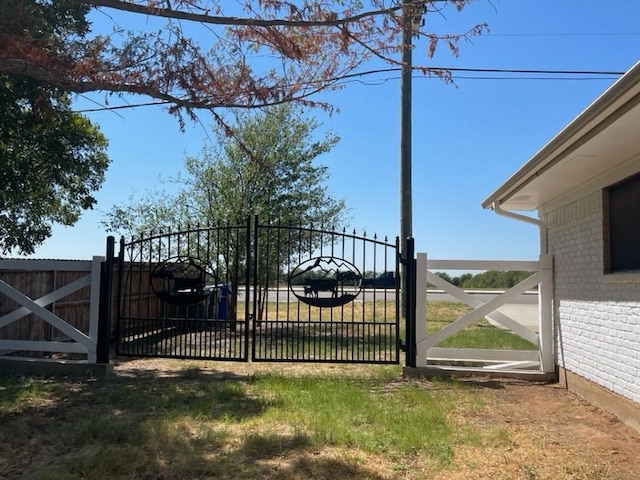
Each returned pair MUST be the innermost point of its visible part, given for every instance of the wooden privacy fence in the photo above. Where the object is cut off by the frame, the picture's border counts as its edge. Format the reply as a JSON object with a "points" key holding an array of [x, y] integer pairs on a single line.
{"points": [[430, 354], [49, 308]]}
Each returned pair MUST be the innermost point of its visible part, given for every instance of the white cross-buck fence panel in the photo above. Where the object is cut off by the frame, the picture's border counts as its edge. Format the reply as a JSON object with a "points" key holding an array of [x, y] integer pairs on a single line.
{"points": [[540, 360], [49, 308]]}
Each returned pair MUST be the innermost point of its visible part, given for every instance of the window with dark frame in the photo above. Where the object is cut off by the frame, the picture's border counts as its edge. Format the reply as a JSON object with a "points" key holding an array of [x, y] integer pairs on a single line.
{"points": [[621, 214]]}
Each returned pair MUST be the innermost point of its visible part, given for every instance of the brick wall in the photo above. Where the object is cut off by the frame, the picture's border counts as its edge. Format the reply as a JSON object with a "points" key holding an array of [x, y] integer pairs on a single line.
{"points": [[597, 316]]}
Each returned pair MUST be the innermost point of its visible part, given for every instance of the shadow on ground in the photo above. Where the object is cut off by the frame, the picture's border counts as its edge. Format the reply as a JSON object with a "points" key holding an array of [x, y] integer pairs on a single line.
{"points": [[151, 424]]}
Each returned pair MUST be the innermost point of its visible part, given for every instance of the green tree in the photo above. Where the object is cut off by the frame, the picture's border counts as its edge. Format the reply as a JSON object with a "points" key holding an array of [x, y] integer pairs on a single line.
{"points": [[263, 163], [496, 279], [51, 162], [266, 167]]}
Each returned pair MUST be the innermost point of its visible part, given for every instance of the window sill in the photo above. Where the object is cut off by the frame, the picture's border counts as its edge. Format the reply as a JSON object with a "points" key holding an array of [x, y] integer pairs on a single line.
{"points": [[626, 277]]}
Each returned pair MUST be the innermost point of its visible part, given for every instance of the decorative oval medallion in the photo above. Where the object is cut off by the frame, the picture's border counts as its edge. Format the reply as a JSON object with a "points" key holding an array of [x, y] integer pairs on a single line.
{"points": [[325, 282], [182, 280]]}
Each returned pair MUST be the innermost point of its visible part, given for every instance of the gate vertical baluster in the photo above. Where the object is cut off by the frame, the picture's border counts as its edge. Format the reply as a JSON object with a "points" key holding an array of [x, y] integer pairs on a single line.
{"points": [[136, 317], [298, 325], [131, 324], [149, 322], [398, 300], [372, 325], [353, 310], [266, 265], [254, 261], [316, 335], [181, 337], [330, 340], [232, 284], [191, 338], [204, 330], [128, 304], [226, 336], [217, 337], [247, 289], [300, 342], [166, 320], [233, 243], [156, 257], [290, 328], [334, 337], [220, 341], [161, 307], [215, 333], [134, 314], [282, 334], [126, 296], [361, 327], [273, 325]]}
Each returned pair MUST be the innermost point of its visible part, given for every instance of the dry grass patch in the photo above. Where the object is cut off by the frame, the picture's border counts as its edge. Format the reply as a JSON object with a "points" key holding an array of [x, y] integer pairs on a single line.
{"points": [[158, 419]]}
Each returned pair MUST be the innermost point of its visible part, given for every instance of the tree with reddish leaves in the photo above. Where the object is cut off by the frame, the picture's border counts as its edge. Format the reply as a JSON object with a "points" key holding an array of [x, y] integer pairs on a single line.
{"points": [[246, 54]]}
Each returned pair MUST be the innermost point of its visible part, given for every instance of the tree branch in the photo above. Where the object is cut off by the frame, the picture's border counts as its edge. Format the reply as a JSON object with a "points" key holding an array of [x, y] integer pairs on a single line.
{"points": [[333, 21]]}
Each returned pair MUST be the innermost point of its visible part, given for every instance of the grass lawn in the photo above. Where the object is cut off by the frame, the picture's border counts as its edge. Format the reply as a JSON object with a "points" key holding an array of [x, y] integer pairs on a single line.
{"points": [[200, 423], [171, 419], [157, 419], [481, 334]]}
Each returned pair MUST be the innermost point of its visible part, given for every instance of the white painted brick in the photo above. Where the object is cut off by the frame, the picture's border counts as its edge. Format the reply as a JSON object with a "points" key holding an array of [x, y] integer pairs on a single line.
{"points": [[598, 322]]}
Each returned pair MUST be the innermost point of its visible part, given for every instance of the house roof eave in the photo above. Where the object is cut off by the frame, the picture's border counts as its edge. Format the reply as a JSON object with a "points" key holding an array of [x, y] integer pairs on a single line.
{"points": [[605, 108]]}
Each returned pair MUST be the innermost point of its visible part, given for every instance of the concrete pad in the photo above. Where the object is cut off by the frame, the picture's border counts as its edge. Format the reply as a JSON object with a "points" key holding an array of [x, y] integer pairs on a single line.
{"points": [[45, 367]]}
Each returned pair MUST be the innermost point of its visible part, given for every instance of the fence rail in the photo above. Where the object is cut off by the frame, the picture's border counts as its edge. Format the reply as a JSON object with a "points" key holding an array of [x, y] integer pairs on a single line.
{"points": [[429, 353], [49, 307]]}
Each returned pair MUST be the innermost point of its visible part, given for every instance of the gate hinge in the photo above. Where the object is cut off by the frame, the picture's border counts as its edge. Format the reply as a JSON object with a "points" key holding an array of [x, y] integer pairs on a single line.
{"points": [[402, 346]]}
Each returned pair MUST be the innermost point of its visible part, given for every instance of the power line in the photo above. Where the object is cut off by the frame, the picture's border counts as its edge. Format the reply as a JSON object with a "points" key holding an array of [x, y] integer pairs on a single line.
{"points": [[567, 34], [568, 75], [545, 72], [490, 70]]}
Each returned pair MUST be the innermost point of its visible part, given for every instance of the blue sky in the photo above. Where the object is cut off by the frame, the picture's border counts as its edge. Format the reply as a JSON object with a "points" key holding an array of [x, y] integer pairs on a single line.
{"points": [[467, 139]]}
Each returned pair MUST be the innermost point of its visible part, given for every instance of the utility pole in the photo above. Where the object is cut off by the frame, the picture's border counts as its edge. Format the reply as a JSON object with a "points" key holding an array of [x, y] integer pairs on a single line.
{"points": [[406, 205], [412, 19]]}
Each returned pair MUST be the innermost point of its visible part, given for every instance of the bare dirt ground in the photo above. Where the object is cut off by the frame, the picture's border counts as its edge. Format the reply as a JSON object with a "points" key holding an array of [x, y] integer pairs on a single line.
{"points": [[544, 431], [554, 434]]}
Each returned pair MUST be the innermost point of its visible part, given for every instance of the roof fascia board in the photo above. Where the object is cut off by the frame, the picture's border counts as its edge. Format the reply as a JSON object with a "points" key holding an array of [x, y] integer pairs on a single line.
{"points": [[607, 106]]}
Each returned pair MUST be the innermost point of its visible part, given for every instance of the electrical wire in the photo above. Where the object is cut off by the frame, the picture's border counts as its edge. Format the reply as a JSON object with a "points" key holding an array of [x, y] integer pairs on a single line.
{"points": [[352, 78]]}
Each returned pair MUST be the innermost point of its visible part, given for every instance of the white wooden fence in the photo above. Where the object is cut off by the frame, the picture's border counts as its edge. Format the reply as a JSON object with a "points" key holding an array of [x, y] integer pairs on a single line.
{"points": [[70, 338], [541, 360]]}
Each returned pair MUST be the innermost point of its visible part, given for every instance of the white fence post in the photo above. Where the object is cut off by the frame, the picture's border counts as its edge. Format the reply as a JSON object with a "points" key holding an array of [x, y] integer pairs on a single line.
{"points": [[421, 310], [545, 315]]}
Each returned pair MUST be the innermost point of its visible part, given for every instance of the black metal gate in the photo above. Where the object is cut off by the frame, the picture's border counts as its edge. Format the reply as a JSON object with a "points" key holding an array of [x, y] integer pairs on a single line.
{"points": [[259, 291]]}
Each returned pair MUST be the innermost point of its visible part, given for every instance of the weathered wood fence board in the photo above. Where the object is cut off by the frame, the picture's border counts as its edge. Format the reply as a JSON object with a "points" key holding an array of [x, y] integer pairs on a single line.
{"points": [[46, 307]]}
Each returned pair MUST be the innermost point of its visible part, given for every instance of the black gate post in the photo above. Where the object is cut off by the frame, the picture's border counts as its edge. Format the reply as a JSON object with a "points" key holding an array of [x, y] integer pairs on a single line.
{"points": [[410, 268], [104, 316]]}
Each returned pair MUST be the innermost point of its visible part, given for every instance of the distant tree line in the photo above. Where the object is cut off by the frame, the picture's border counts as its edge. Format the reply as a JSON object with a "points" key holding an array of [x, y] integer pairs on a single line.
{"points": [[489, 279]]}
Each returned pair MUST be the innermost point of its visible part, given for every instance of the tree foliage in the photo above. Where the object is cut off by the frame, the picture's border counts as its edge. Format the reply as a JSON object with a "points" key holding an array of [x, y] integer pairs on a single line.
{"points": [[489, 279], [51, 162], [212, 53], [267, 167]]}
